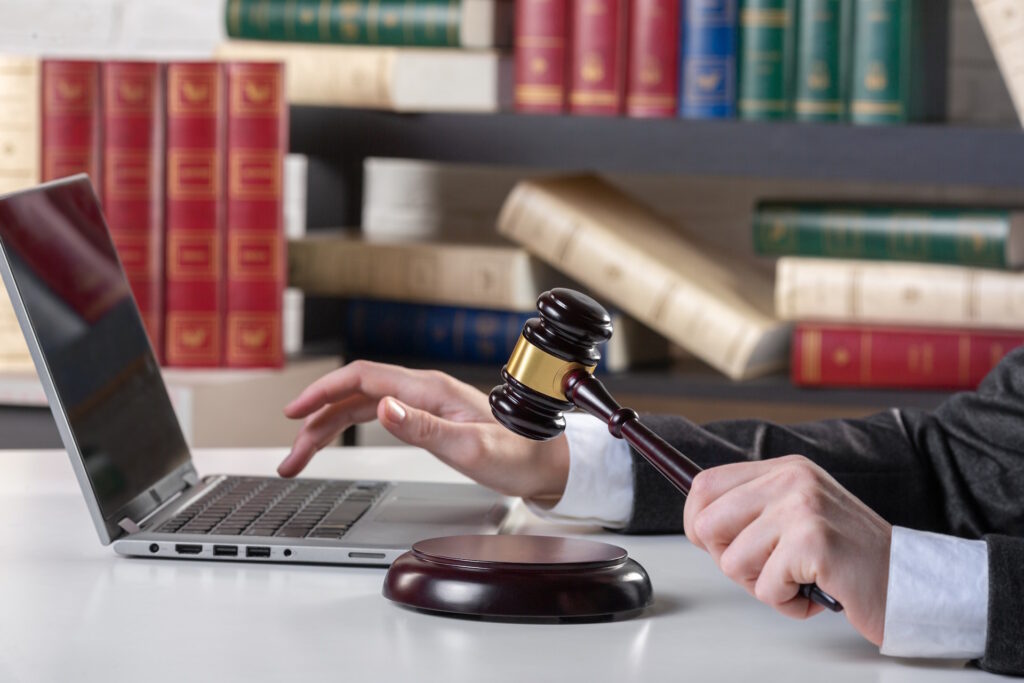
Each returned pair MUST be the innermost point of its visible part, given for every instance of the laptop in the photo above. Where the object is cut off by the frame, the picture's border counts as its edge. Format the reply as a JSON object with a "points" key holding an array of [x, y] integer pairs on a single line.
{"points": [[114, 416]]}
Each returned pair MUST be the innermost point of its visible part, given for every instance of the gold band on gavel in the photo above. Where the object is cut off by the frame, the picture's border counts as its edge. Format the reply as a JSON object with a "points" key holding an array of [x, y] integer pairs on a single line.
{"points": [[539, 370]]}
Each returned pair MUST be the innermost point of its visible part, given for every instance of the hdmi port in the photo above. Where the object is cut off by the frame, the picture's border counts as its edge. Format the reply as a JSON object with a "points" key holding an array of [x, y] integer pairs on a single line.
{"points": [[225, 551], [188, 548], [257, 551]]}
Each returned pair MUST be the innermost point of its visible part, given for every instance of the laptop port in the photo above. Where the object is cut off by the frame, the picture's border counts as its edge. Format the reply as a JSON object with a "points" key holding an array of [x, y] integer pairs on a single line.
{"points": [[225, 551], [188, 548], [257, 551]]}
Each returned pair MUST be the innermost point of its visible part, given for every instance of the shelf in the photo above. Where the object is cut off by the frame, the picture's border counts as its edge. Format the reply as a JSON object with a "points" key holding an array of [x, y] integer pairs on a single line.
{"points": [[913, 154]]}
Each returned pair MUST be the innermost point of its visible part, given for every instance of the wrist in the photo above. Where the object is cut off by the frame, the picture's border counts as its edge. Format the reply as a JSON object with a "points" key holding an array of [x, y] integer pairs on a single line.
{"points": [[552, 461]]}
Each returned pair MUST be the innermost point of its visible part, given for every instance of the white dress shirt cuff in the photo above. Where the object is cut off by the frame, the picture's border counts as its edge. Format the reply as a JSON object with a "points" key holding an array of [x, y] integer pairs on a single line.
{"points": [[600, 485], [937, 599]]}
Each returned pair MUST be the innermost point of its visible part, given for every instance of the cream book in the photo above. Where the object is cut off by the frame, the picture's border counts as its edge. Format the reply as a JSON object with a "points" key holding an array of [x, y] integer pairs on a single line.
{"points": [[392, 78], [1003, 21], [504, 278], [712, 305], [898, 292]]}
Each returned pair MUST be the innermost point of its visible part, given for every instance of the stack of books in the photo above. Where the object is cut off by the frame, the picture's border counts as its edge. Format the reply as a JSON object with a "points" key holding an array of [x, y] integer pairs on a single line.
{"points": [[864, 61], [187, 159], [896, 296], [401, 55]]}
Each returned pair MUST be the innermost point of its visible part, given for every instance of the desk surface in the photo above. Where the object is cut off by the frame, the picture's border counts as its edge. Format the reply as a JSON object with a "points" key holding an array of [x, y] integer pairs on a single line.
{"points": [[71, 609]]}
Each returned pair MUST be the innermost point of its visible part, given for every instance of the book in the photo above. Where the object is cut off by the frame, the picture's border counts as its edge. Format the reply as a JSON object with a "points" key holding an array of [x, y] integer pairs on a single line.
{"points": [[398, 329], [824, 33], [899, 61], [19, 123], [990, 238], [542, 56], [597, 82], [1001, 21], [257, 141], [699, 298], [71, 120], [133, 182], [196, 138], [897, 357], [766, 53], [410, 23], [652, 71], [397, 79], [898, 293], [708, 59], [492, 277]]}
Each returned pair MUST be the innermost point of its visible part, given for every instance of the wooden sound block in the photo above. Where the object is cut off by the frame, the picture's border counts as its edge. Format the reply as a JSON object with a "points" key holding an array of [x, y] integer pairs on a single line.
{"points": [[519, 578]]}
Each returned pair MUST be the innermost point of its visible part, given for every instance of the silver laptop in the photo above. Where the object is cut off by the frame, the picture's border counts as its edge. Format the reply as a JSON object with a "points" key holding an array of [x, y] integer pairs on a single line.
{"points": [[115, 418]]}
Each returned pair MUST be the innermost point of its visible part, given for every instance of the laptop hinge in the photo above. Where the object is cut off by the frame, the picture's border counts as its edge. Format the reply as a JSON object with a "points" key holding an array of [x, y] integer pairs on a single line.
{"points": [[191, 477], [129, 526]]}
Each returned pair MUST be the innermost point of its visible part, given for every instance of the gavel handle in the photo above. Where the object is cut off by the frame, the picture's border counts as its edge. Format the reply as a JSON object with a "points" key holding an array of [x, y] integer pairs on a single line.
{"points": [[587, 393]]}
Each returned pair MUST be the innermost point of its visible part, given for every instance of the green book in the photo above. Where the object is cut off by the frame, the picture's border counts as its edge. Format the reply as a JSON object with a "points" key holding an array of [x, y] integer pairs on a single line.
{"points": [[989, 238], [765, 58], [419, 23], [895, 51], [824, 30]]}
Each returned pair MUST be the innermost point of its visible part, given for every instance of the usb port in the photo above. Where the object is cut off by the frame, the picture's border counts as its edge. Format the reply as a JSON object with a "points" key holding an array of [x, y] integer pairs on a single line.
{"points": [[225, 550], [257, 551], [188, 548]]}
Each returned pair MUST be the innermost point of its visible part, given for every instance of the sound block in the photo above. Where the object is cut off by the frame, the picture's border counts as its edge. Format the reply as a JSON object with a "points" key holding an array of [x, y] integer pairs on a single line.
{"points": [[519, 578]]}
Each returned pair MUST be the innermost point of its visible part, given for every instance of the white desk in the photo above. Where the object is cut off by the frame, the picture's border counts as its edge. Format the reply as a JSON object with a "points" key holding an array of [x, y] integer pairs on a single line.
{"points": [[72, 610]]}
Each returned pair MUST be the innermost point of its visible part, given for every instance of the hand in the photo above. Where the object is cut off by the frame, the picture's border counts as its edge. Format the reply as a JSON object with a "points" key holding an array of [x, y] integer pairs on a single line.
{"points": [[431, 410], [772, 525]]}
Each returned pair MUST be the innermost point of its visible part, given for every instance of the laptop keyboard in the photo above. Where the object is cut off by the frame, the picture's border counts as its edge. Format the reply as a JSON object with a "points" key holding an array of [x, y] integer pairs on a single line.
{"points": [[299, 508]]}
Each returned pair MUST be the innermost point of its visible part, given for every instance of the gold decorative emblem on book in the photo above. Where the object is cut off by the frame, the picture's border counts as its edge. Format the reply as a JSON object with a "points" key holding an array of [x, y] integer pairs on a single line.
{"points": [[539, 65], [841, 357], [650, 70], [131, 92], [254, 339], [307, 16], [709, 81], [69, 90], [255, 93], [592, 69], [820, 77], [194, 338], [195, 92], [876, 78]]}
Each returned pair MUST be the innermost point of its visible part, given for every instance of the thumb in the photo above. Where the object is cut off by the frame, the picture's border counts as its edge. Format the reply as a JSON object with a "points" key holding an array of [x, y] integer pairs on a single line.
{"points": [[420, 428]]}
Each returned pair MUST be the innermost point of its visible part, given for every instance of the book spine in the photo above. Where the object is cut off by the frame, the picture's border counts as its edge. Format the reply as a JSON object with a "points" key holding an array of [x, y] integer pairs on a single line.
{"points": [[598, 81], [195, 214], [542, 42], [652, 80], [822, 55], [708, 59], [896, 357], [133, 151], [415, 23], [19, 123], [969, 238], [71, 134], [765, 54], [257, 142], [836, 290], [881, 62], [1004, 41]]}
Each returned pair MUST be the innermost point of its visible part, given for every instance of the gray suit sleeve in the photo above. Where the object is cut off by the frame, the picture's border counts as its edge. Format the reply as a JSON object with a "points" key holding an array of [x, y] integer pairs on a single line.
{"points": [[956, 470]]}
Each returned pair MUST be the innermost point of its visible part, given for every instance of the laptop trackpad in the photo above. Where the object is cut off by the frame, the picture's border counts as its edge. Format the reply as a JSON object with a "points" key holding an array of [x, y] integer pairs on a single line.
{"points": [[427, 511]]}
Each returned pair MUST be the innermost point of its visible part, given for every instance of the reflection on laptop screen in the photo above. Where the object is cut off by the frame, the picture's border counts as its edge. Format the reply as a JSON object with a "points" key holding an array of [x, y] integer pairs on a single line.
{"points": [[80, 306]]}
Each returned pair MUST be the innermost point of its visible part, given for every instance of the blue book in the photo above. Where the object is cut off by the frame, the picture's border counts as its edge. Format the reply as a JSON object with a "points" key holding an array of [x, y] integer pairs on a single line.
{"points": [[708, 59]]}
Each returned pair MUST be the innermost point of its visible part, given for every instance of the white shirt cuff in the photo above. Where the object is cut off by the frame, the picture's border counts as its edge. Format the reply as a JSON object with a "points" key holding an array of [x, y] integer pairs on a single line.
{"points": [[937, 599], [600, 485]]}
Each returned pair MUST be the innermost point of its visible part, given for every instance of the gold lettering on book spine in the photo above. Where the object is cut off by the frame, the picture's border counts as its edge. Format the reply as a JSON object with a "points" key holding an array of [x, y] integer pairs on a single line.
{"points": [[810, 355]]}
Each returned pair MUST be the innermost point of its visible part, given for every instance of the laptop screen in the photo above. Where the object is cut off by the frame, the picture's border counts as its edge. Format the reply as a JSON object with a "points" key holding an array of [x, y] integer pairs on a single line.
{"points": [[107, 380]]}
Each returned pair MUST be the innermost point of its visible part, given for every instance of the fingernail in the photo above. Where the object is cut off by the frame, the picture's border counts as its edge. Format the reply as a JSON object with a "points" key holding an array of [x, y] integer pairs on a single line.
{"points": [[394, 410]]}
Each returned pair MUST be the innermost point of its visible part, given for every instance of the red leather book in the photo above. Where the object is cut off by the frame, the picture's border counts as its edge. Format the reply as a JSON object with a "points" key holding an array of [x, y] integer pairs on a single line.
{"points": [[598, 63], [652, 79], [896, 357], [257, 143], [195, 214], [71, 139], [133, 152], [542, 37]]}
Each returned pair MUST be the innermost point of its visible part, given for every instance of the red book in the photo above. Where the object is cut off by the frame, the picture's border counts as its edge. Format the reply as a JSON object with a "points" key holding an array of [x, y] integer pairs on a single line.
{"points": [[133, 152], [542, 37], [652, 79], [195, 214], [896, 357], [598, 81], [71, 139], [257, 143]]}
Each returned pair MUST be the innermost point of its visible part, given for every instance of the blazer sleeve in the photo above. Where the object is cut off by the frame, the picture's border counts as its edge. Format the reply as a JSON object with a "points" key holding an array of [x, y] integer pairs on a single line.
{"points": [[956, 470]]}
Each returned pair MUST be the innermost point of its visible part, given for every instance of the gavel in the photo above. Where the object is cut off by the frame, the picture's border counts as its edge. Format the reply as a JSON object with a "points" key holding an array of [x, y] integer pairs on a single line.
{"points": [[551, 370]]}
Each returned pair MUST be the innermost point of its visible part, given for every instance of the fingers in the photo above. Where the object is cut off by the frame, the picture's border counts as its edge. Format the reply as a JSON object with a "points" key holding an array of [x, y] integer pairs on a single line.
{"points": [[322, 428], [457, 444], [779, 583], [716, 526]]}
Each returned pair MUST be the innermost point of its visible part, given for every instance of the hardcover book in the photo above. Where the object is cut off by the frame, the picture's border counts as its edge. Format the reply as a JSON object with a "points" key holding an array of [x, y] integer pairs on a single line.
{"points": [[542, 55], [133, 182], [71, 120], [598, 64], [708, 53], [19, 123], [824, 32], [195, 214], [766, 55], [652, 79], [257, 141]]}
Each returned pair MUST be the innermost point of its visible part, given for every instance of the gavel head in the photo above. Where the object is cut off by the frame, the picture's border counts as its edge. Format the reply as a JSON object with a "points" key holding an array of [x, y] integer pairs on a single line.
{"points": [[565, 337]]}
